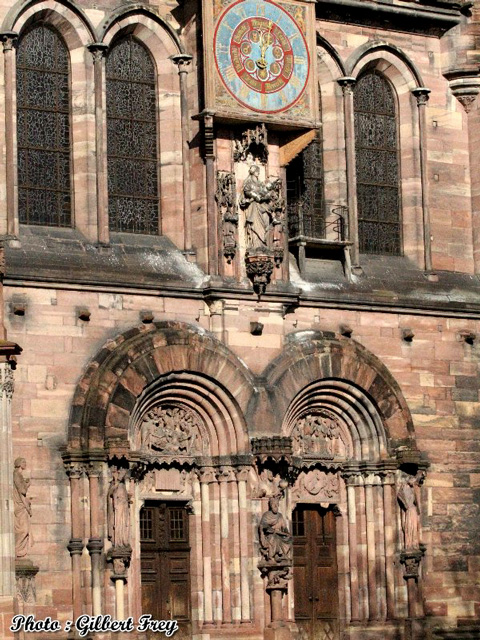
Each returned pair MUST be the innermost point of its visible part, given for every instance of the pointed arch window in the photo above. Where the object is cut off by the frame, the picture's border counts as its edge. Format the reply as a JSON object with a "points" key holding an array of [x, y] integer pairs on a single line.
{"points": [[132, 155], [377, 165], [43, 129]]}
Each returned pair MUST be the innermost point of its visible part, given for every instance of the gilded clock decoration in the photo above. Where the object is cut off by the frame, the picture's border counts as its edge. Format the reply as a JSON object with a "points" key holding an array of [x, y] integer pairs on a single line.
{"points": [[261, 55]]}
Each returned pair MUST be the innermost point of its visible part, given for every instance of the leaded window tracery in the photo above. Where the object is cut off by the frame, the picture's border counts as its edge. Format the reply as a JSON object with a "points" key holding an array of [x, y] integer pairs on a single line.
{"points": [[377, 165], [43, 129], [132, 139]]}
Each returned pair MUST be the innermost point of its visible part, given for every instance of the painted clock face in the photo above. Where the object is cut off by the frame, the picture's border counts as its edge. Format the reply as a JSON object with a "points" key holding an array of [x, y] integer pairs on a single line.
{"points": [[261, 55]]}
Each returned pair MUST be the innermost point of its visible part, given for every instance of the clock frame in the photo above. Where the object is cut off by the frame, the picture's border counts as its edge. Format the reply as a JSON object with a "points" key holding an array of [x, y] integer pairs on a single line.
{"points": [[259, 62]]}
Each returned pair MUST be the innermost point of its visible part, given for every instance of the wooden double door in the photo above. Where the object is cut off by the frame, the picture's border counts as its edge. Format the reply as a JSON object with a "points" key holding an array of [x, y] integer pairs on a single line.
{"points": [[315, 573], [165, 564]]}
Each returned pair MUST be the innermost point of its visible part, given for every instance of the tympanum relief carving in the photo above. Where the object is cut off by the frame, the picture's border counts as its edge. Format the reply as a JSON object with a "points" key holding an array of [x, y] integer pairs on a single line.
{"points": [[318, 435], [172, 431]]}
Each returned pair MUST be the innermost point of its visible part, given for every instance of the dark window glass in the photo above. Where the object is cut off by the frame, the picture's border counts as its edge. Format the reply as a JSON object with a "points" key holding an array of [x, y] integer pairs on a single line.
{"points": [[43, 129], [132, 139], [146, 524], [306, 211], [378, 194]]}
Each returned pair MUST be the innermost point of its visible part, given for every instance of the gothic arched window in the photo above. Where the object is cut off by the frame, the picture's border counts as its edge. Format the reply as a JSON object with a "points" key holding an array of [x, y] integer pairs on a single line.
{"points": [[376, 144], [133, 202], [43, 129]]}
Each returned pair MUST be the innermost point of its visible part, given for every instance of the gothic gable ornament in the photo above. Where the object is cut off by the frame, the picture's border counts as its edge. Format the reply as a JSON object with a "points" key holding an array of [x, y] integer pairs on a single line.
{"points": [[258, 60]]}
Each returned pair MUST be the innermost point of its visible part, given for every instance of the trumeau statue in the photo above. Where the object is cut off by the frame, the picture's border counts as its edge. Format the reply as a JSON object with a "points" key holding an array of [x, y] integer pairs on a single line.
{"points": [[274, 536], [262, 203], [22, 509], [407, 497], [118, 512]]}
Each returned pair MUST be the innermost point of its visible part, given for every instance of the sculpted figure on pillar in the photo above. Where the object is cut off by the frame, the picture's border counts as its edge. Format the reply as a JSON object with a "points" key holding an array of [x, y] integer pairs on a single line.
{"points": [[407, 497], [118, 512], [22, 509], [275, 538], [262, 202]]}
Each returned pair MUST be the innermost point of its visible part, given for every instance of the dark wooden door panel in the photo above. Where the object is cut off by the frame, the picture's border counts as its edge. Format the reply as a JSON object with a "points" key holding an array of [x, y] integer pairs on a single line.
{"points": [[315, 573], [165, 564]]}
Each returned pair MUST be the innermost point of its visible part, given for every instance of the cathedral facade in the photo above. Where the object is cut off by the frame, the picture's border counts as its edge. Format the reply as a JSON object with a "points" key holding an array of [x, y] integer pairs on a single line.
{"points": [[239, 365]]}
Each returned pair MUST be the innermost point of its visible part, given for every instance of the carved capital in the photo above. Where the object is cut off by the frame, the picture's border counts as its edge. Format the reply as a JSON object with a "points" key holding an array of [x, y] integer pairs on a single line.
{"points": [[411, 562], [9, 39], [95, 546], [75, 547], [242, 473], [225, 474], [182, 60], [94, 469], [348, 84], [98, 50], [75, 470], [422, 95], [206, 475]]}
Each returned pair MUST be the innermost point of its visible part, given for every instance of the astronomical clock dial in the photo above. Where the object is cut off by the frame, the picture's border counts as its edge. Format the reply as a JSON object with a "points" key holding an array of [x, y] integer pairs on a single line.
{"points": [[261, 55]]}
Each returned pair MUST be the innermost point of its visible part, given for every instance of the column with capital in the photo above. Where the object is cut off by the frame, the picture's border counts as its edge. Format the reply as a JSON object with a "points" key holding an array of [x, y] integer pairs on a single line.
{"points": [[76, 472], [348, 84], [99, 51], [183, 60], [207, 476], [9, 39], [225, 475], [242, 478], [422, 95], [8, 351]]}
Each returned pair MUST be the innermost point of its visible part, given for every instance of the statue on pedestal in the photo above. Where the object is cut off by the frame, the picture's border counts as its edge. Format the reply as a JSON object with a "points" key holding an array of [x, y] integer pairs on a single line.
{"points": [[275, 538], [118, 500], [407, 498], [22, 509], [259, 201]]}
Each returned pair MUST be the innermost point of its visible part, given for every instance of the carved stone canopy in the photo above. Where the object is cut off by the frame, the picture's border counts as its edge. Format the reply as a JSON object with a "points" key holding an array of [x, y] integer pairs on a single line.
{"points": [[253, 143], [172, 431]]}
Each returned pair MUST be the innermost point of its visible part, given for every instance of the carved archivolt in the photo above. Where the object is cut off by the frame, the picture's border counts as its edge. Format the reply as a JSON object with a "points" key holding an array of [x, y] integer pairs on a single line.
{"points": [[171, 430], [318, 434]]}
